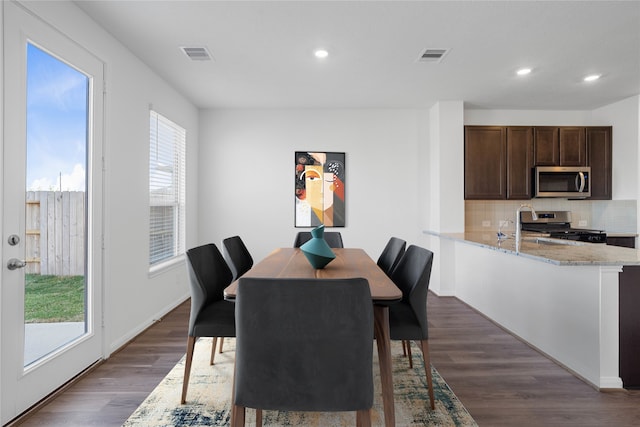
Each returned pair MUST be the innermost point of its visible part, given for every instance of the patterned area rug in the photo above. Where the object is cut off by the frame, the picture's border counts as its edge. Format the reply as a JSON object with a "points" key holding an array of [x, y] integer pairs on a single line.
{"points": [[209, 395]]}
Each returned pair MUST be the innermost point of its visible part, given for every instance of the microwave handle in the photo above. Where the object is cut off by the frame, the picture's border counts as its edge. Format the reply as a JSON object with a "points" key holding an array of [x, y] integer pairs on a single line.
{"points": [[580, 187]]}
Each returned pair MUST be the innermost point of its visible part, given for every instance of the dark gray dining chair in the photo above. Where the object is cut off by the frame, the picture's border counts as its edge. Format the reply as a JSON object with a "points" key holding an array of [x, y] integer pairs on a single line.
{"points": [[333, 239], [391, 254], [303, 345], [237, 256], [408, 318], [211, 315]]}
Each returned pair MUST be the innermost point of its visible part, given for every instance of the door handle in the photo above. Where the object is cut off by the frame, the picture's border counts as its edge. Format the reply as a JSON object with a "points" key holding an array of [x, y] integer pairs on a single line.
{"points": [[15, 263]]}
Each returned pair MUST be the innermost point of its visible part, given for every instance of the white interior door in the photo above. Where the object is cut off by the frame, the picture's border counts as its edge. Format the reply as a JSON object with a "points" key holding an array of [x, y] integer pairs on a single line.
{"points": [[51, 211]]}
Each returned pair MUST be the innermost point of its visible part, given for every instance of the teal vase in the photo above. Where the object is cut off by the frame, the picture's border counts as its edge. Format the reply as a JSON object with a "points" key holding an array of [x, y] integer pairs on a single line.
{"points": [[317, 250]]}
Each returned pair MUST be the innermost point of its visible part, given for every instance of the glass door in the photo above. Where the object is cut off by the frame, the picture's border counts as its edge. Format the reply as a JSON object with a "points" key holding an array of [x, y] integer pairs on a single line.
{"points": [[51, 280]]}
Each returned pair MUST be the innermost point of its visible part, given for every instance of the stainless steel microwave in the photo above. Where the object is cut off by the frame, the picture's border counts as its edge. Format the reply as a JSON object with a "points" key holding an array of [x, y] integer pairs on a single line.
{"points": [[572, 182]]}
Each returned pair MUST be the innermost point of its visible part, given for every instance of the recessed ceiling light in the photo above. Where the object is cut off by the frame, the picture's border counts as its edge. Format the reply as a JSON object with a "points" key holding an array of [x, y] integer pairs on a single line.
{"points": [[321, 53], [592, 78], [523, 71]]}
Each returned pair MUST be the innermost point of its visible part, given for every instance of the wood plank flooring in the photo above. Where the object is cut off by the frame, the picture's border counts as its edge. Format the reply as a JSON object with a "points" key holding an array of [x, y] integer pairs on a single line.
{"points": [[504, 382], [499, 379], [109, 394]]}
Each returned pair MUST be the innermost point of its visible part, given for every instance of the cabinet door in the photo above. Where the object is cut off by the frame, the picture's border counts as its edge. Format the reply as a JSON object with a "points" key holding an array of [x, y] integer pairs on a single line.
{"points": [[629, 324], [546, 148], [599, 158], [484, 162], [572, 147], [519, 162], [624, 241]]}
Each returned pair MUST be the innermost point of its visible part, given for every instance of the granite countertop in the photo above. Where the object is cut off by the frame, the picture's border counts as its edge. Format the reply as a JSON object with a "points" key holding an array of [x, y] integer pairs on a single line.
{"points": [[554, 251]]}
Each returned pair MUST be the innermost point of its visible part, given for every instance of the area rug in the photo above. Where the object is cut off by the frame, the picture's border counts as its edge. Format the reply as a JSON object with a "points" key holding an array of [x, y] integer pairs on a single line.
{"points": [[209, 397]]}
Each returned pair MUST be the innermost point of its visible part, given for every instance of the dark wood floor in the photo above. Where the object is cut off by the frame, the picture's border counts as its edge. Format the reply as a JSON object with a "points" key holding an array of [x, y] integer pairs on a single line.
{"points": [[499, 379]]}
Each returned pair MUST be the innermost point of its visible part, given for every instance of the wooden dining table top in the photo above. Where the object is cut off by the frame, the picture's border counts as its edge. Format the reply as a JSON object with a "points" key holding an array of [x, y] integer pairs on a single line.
{"points": [[349, 263]]}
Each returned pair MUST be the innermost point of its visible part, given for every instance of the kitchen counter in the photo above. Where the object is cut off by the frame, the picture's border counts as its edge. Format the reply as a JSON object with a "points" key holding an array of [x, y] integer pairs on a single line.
{"points": [[553, 251], [562, 297]]}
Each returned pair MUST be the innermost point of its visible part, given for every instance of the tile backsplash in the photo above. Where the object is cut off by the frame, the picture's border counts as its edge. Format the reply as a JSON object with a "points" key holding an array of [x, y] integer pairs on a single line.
{"points": [[619, 216]]}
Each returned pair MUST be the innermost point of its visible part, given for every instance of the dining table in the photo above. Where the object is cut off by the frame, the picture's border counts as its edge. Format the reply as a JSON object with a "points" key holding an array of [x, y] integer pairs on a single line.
{"points": [[348, 263]]}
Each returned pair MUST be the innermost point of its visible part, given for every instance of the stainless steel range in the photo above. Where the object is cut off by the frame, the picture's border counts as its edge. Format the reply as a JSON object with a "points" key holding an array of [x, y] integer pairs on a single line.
{"points": [[557, 224]]}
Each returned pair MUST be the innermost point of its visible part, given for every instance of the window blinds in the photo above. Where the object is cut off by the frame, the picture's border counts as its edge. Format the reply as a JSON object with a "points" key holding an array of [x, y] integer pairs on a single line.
{"points": [[166, 189]]}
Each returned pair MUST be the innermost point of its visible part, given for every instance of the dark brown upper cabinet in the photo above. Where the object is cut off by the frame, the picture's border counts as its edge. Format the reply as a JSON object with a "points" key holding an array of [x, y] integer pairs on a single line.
{"points": [[546, 146], [573, 146], [560, 146], [599, 152], [519, 162], [485, 161], [499, 160]]}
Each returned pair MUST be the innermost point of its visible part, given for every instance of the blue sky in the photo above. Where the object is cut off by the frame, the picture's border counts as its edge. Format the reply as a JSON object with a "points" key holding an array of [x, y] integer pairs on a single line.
{"points": [[57, 97]]}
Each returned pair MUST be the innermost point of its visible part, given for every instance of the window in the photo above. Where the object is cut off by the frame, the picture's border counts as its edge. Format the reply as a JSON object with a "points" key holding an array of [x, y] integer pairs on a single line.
{"points": [[166, 189]]}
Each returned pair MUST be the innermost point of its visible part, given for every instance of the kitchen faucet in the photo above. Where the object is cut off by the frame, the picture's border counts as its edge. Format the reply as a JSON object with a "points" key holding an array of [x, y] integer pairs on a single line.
{"points": [[534, 216]]}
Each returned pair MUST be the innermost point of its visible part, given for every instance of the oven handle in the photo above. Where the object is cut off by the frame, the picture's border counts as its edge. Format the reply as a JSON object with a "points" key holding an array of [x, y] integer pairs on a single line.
{"points": [[580, 187]]}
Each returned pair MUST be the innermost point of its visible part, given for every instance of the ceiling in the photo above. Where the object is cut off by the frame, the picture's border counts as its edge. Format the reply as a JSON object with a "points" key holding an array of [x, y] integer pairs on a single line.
{"points": [[263, 51]]}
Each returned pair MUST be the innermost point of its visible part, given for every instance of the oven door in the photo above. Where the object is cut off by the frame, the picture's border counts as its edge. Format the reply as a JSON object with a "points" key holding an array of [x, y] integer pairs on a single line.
{"points": [[563, 181]]}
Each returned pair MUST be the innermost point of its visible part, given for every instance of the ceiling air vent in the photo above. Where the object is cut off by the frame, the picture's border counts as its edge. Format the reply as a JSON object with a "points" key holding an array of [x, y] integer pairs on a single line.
{"points": [[433, 55], [197, 53]]}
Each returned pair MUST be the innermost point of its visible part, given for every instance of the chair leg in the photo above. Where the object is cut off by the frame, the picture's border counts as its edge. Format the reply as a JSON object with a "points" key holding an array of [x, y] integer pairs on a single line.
{"points": [[221, 342], [238, 413], [363, 418], [409, 354], [424, 344], [404, 348], [213, 349], [191, 342], [258, 417]]}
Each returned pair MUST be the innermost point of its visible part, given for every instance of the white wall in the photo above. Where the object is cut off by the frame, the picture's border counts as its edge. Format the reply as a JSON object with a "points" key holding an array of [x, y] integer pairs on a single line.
{"points": [[132, 299], [527, 118], [446, 168], [246, 173], [624, 116], [444, 202]]}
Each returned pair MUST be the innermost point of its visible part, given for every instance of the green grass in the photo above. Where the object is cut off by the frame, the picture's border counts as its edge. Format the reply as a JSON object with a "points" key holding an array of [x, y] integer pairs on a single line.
{"points": [[50, 299]]}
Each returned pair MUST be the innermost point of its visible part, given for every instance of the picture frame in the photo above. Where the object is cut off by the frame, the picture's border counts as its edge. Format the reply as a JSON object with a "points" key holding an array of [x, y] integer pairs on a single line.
{"points": [[320, 189]]}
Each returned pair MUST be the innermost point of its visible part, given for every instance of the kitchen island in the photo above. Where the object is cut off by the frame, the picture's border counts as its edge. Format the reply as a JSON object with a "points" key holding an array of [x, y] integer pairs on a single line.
{"points": [[540, 247], [560, 297]]}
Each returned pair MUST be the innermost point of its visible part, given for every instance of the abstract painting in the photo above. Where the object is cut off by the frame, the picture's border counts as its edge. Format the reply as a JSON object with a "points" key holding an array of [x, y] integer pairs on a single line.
{"points": [[319, 189]]}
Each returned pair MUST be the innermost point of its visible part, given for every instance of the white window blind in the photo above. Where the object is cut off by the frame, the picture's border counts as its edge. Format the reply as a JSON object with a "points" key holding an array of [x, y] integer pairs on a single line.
{"points": [[166, 189]]}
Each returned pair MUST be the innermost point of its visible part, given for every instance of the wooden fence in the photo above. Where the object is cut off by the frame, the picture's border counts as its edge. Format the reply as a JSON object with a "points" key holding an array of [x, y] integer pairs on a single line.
{"points": [[55, 232]]}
